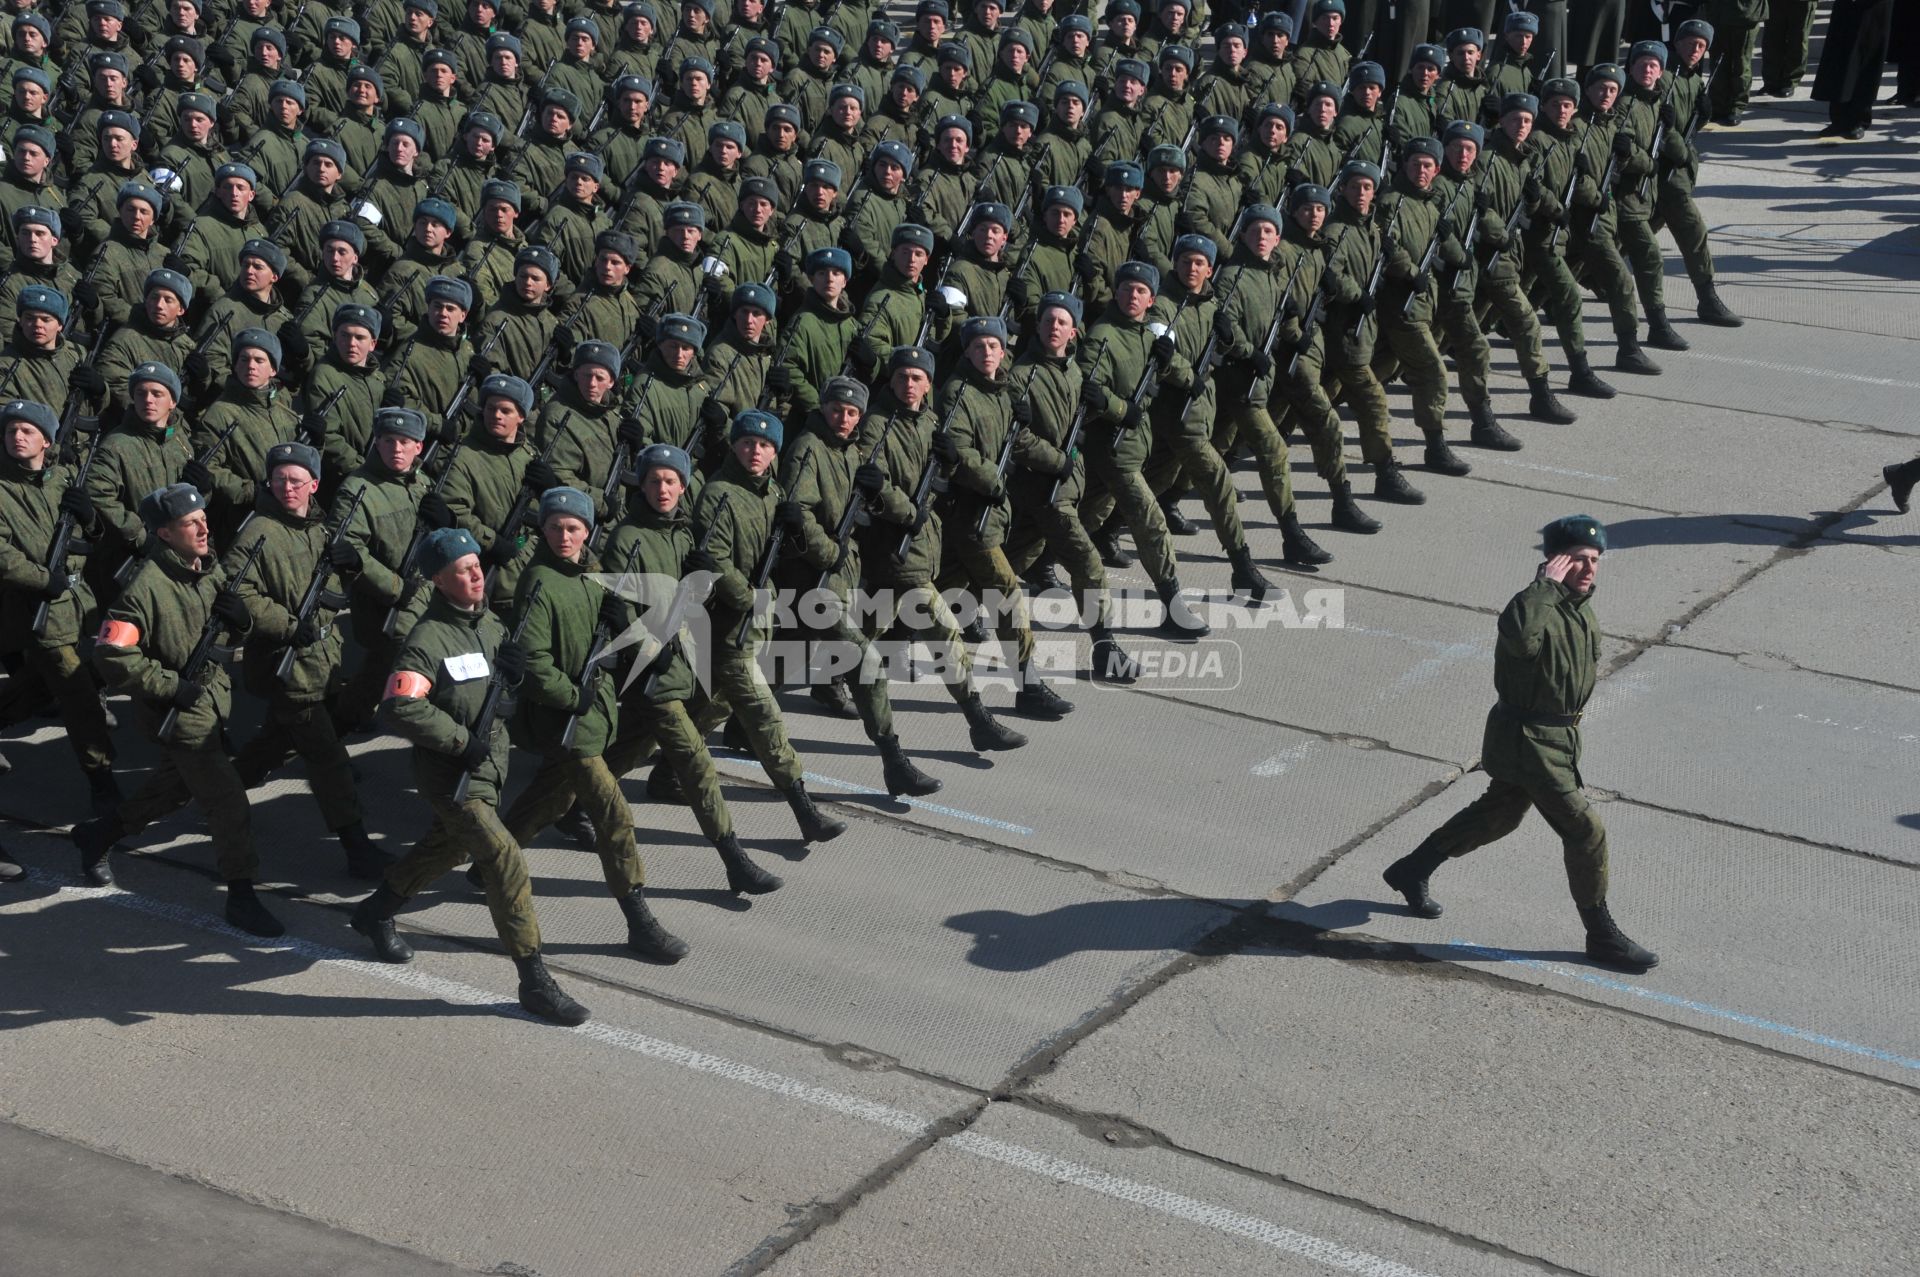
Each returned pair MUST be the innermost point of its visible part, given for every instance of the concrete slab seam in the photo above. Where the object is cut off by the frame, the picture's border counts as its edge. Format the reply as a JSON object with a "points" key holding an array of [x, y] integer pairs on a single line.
{"points": [[1686, 1004], [1219, 1218]]}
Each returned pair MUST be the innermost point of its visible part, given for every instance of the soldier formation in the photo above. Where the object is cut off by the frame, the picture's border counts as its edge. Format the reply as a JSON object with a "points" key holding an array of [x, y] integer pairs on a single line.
{"points": [[375, 341]]}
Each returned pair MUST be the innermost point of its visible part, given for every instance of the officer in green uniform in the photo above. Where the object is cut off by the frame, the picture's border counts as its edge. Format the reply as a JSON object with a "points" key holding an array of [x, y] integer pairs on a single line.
{"points": [[36, 493], [289, 527], [434, 701], [568, 709], [1544, 671], [742, 531], [180, 592]]}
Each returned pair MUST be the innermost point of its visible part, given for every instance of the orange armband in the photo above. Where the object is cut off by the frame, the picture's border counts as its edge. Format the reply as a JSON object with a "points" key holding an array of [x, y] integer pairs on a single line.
{"points": [[119, 633], [408, 685]]}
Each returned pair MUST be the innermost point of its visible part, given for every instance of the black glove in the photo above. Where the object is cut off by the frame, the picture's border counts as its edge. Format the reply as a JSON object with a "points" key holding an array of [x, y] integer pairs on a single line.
{"points": [[1184, 222], [196, 473], [1261, 363], [434, 512], [1163, 352], [1531, 189], [780, 379], [479, 368], [937, 303], [631, 434], [222, 56], [1482, 199], [176, 263], [229, 607], [1023, 410], [87, 381], [540, 476], [148, 76], [1067, 459], [563, 343], [478, 749], [783, 264], [71, 224], [394, 397], [294, 350], [613, 612], [345, 557], [1667, 116], [308, 632], [450, 427], [869, 478], [313, 426], [1366, 303], [713, 414], [511, 661], [501, 552], [996, 494], [75, 503], [1623, 145], [945, 448], [699, 560], [1583, 165], [1136, 416], [199, 368], [187, 694], [790, 518], [1087, 269], [87, 293], [645, 325]]}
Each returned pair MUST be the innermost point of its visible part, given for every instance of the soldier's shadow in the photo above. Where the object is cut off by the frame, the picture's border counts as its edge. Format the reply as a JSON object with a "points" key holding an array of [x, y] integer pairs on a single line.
{"points": [[87, 959]]}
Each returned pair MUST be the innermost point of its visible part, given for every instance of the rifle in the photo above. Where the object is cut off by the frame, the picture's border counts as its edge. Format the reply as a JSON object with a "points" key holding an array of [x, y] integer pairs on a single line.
{"points": [[778, 360], [855, 513], [317, 585], [410, 561], [333, 401], [1659, 139], [1280, 313], [57, 549], [1386, 132], [999, 474], [1469, 240], [523, 505], [1606, 187], [490, 703], [763, 570], [932, 483], [1379, 266], [1316, 308], [207, 647], [1019, 268], [681, 602], [459, 400], [1566, 200]]}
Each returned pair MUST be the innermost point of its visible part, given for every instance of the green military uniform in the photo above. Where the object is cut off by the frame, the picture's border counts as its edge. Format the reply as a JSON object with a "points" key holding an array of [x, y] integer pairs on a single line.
{"points": [[382, 528], [1114, 359], [978, 411]]}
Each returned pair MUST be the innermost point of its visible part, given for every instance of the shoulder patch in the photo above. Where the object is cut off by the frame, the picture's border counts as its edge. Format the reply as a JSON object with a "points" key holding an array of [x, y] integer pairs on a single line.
{"points": [[119, 633], [407, 685]]}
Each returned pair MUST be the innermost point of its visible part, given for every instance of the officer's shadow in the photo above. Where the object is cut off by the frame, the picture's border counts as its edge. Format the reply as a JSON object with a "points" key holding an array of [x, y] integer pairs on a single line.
{"points": [[1008, 941], [87, 959]]}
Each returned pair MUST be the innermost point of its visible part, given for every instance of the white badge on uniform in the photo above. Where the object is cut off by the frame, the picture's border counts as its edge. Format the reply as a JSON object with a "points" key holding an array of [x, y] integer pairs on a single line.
{"points": [[467, 665]]}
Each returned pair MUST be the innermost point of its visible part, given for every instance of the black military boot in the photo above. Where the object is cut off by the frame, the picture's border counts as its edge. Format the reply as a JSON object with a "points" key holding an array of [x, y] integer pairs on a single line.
{"points": [[365, 861], [1177, 523], [1390, 484], [245, 911], [645, 935], [833, 697], [1713, 310], [1037, 699], [1900, 480], [95, 838], [1487, 431], [576, 826], [901, 776], [743, 876], [1180, 620], [103, 791], [1408, 876], [1606, 944], [663, 786], [1043, 576], [1582, 381], [6, 764], [987, 732], [1347, 516], [1628, 357], [1660, 334], [1544, 405], [975, 631], [1247, 578], [1111, 663], [734, 736], [10, 869], [1297, 549], [1108, 544], [1440, 458], [373, 918], [542, 997], [815, 825]]}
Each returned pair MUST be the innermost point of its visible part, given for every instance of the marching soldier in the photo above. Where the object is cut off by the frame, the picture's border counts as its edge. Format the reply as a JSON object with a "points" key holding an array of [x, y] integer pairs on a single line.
{"points": [[435, 700], [1543, 671], [372, 550]]}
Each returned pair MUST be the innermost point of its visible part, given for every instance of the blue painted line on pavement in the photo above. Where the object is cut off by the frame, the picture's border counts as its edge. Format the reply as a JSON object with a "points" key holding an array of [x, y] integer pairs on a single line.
{"points": [[1689, 1004], [849, 787]]}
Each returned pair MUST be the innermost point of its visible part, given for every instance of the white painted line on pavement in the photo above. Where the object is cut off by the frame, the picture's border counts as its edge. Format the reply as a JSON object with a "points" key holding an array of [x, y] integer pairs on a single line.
{"points": [[1559, 470], [1687, 1004], [1279, 764], [1162, 1201], [850, 787], [1803, 371]]}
